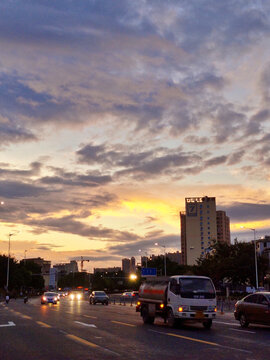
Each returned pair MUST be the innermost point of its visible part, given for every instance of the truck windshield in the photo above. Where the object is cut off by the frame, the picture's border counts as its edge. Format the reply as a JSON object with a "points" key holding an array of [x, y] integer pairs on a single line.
{"points": [[197, 288]]}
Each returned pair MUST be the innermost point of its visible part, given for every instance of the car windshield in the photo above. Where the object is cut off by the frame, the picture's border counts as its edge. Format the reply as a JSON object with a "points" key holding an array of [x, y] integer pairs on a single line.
{"points": [[268, 297], [100, 293], [197, 288], [50, 294]]}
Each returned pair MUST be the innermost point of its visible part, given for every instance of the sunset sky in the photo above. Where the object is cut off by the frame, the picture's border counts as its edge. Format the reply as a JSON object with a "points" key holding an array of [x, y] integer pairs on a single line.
{"points": [[112, 112]]}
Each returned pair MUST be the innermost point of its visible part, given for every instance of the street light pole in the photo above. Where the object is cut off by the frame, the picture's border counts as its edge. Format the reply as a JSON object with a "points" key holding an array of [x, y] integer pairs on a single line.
{"points": [[255, 255], [9, 236], [256, 266]]}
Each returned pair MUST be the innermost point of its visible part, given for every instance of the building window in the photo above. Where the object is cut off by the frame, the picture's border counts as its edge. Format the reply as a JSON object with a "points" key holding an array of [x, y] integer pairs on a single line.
{"points": [[201, 233], [201, 224], [209, 239], [208, 232], [201, 218]]}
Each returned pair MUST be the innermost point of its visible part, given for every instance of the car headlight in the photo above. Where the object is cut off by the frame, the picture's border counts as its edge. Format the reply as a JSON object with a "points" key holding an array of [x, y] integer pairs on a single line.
{"points": [[55, 298], [211, 308], [72, 296], [183, 308], [44, 298], [79, 296]]}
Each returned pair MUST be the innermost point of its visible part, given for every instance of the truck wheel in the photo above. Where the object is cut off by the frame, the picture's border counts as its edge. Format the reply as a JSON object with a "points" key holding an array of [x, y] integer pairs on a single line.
{"points": [[171, 319], [207, 324], [147, 319]]}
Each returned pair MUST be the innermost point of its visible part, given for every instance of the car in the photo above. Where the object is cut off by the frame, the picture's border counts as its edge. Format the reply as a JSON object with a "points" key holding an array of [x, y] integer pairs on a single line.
{"points": [[254, 308], [49, 297], [76, 295], [98, 297], [127, 294]]}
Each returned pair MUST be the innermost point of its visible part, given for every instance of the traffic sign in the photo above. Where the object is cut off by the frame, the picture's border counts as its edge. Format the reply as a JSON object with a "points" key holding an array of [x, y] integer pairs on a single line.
{"points": [[145, 272]]}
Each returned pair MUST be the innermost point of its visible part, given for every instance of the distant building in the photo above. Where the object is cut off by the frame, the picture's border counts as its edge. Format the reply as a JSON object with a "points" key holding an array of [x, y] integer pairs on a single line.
{"points": [[45, 266], [107, 270], [200, 225], [67, 268], [263, 248], [144, 261], [176, 257], [133, 265], [126, 265], [223, 227]]}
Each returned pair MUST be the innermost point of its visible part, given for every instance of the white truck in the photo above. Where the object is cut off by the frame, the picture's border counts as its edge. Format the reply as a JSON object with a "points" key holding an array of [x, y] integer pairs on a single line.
{"points": [[178, 298]]}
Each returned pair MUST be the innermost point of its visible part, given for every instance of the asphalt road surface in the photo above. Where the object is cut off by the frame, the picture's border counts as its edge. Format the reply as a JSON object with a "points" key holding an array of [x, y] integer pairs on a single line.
{"points": [[75, 330]]}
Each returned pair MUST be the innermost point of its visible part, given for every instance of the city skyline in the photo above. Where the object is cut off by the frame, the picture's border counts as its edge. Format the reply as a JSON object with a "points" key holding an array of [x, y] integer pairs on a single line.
{"points": [[111, 115]]}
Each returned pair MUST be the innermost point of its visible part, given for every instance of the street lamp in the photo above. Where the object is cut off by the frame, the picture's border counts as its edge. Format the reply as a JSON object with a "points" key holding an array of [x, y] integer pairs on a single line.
{"points": [[9, 237], [255, 249], [165, 267]]}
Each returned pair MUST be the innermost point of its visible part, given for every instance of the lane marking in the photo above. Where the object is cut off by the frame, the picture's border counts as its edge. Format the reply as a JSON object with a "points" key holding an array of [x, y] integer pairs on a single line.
{"points": [[84, 324], [10, 323], [202, 341], [43, 324], [225, 323], [193, 339], [26, 317], [88, 343], [122, 323], [81, 341], [244, 331], [91, 317]]}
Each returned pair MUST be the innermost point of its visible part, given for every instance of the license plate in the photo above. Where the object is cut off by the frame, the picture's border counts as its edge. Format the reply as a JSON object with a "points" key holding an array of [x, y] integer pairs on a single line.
{"points": [[199, 315]]}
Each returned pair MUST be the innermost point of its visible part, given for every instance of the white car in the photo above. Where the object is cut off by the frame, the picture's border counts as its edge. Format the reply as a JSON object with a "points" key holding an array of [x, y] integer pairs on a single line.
{"points": [[49, 297]]}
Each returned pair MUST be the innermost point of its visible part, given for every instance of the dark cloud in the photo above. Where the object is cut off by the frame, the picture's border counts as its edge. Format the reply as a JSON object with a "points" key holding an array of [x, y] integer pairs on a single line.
{"points": [[218, 160], [69, 224], [247, 211], [132, 248], [13, 190], [236, 158]]}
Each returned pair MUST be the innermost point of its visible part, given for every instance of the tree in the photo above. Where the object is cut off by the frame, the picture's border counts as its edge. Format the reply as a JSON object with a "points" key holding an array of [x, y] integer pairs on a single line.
{"points": [[231, 263]]}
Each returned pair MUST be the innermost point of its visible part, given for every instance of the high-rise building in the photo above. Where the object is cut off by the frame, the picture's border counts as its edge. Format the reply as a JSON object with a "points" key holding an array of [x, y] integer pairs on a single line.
{"points": [[198, 228], [223, 227], [133, 265], [126, 265]]}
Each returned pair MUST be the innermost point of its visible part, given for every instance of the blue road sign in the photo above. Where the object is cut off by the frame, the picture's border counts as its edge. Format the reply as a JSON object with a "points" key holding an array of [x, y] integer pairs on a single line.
{"points": [[149, 272]]}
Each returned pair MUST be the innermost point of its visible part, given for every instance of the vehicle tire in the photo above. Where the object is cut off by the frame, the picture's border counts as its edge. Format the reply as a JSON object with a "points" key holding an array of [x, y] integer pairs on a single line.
{"points": [[207, 324], [107, 303], [171, 319], [243, 321], [94, 303], [147, 319]]}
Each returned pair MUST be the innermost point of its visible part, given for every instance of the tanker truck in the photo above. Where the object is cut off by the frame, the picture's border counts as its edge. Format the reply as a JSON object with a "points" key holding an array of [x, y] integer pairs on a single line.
{"points": [[178, 298]]}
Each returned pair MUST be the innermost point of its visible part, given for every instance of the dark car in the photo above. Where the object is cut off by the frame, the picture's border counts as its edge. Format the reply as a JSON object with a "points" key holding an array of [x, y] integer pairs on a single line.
{"points": [[253, 308], [98, 297]]}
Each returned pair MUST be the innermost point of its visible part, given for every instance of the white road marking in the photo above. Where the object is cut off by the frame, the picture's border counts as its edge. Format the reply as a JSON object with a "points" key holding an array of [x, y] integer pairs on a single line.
{"points": [[10, 323], [89, 325], [244, 331], [225, 323]]}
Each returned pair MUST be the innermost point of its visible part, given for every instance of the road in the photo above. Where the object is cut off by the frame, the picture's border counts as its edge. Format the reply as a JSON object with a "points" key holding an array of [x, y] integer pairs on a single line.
{"points": [[74, 330]]}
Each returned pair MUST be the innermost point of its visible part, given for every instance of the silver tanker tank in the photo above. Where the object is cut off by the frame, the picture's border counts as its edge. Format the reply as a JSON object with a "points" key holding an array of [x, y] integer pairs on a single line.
{"points": [[154, 290]]}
